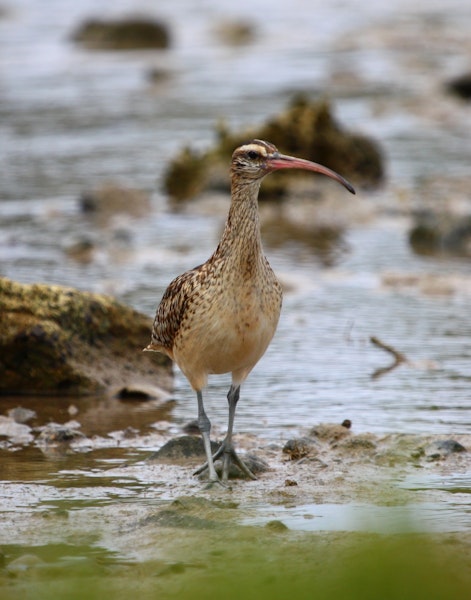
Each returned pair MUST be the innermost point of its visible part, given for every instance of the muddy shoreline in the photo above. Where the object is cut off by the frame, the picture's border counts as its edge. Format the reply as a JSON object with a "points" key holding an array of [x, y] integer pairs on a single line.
{"points": [[328, 499], [100, 485]]}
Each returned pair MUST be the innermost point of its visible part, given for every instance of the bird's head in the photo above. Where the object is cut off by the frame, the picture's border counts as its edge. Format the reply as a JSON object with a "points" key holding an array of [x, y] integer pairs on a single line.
{"points": [[256, 159]]}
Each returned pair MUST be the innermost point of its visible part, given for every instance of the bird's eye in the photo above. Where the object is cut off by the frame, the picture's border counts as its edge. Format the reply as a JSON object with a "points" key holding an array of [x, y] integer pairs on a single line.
{"points": [[252, 154]]}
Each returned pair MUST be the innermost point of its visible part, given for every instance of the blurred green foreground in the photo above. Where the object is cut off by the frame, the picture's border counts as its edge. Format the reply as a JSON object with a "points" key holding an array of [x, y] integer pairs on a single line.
{"points": [[248, 563]]}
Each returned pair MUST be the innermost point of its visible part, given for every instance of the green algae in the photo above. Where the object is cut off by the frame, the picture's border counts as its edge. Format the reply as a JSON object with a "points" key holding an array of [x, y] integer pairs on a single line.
{"points": [[268, 563]]}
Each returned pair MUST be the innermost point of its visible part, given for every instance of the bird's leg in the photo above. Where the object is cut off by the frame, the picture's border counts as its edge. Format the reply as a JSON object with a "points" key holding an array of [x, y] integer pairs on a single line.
{"points": [[228, 448], [204, 425]]}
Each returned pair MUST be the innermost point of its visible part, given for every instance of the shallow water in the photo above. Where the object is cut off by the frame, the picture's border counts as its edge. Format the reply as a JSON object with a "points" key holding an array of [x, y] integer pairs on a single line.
{"points": [[418, 518], [71, 119]]}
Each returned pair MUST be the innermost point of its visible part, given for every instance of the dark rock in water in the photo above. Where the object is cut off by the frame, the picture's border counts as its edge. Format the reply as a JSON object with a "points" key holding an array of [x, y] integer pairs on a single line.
{"points": [[186, 175], [140, 392], [188, 447], [441, 233], [60, 340], [330, 432], [300, 447], [235, 33], [81, 250], [460, 86], [305, 129], [125, 34], [182, 448], [54, 434], [276, 525], [111, 198], [192, 428], [255, 464], [357, 442], [442, 448], [174, 518]]}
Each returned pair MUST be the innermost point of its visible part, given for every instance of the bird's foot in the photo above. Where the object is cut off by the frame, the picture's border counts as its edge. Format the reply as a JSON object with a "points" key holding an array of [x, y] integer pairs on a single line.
{"points": [[217, 484], [228, 453]]}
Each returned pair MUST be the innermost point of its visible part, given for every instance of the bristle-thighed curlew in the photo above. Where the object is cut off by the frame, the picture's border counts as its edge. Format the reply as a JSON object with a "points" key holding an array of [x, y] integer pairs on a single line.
{"points": [[221, 316]]}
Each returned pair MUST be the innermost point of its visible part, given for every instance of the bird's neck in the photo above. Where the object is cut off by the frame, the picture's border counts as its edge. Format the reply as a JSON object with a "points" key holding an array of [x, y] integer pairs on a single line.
{"points": [[241, 240]]}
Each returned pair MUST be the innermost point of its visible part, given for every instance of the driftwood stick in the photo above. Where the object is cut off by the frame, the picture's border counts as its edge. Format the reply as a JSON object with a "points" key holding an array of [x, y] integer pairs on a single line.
{"points": [[399, 357]]}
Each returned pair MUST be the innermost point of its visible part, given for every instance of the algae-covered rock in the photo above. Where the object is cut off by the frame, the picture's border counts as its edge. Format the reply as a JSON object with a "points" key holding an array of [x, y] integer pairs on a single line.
{"points": [[111, 198], [55, 339], [235, 32], [186, 175], [134, 33], [441, 233], [305, 129]]}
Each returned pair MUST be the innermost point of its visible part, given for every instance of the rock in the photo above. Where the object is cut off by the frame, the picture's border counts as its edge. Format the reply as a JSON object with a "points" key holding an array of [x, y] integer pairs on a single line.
{"points": [[192, 428], [81, 250], [460, 86], [305, 129], [141, 392], [124, 34], [112, 198], [181, 449], [357, 442], [174, 518], [186, 175], [331, 432], [300, 447], [441, 233], [25, 562], [440, 449], [235, 33], [255, 464], [276, 525], [21, 415], [59, 340], [188, 447], [17, 433], [54, 434]]}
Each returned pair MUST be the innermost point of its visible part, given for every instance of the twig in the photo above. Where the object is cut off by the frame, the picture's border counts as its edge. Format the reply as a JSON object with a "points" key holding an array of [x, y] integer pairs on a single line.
{"points": [[399, 357]]}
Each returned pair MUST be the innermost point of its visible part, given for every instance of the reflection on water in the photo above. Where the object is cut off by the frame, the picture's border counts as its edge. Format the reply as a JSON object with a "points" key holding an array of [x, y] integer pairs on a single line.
{"points": [[418, 518]]}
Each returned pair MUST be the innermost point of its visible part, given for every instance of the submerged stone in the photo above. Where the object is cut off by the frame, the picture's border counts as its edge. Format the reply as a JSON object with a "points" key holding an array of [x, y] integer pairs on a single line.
{"points": [[125, 34], [441, 233], [440, 449]]}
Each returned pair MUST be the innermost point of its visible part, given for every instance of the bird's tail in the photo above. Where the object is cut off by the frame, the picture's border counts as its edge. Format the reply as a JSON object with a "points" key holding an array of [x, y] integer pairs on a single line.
{"points": [[152, 348]]}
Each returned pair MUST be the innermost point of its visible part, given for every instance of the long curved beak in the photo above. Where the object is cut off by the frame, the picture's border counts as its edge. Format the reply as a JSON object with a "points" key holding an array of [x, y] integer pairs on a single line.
{"points": [[278, 161]]}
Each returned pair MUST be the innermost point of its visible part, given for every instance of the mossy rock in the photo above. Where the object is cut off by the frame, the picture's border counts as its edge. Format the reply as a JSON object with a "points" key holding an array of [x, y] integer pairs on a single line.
{"points": [[58, 340], [124, 34], [186, 175], [441, 233], [305, 129]]}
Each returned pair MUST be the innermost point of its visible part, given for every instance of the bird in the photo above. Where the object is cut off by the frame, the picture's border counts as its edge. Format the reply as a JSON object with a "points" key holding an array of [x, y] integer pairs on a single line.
{"points": [[220, 316]]}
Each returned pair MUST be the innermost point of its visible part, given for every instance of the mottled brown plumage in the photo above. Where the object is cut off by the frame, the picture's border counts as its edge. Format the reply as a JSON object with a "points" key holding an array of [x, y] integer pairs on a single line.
{"points": [[221, 316]]}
